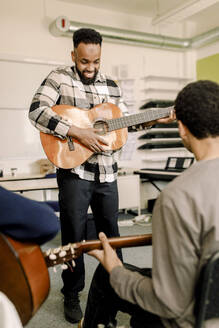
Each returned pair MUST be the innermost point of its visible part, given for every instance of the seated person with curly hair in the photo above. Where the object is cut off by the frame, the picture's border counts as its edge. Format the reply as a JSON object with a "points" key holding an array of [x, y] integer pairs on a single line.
{"points": [[185, 229]]}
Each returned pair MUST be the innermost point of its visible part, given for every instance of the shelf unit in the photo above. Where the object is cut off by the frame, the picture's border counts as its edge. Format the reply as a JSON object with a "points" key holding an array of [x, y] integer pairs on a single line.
{"points": [[161, 87], [163, 140], [159, 143], [156, 91], [179, 79], [153, 91]]}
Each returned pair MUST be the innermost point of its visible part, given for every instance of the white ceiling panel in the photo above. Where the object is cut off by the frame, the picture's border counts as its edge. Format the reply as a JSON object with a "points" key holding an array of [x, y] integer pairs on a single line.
{"points": [[149, 8]]}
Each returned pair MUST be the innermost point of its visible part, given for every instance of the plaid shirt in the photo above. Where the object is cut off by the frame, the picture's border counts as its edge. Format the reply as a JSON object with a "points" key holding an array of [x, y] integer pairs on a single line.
{"points": [[63, 86]]}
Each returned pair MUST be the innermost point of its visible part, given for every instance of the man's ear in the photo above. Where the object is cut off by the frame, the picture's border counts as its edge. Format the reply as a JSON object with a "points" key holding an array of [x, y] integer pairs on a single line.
{"points": [[73, 56], [183, 131]]}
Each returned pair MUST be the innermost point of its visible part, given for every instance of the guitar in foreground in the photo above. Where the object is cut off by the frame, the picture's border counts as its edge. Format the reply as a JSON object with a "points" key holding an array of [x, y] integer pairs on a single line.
{"points": [[24, 276], [107, 118]]}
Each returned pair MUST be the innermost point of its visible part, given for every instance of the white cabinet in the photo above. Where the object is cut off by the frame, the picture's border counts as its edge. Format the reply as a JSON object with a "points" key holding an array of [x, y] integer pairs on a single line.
{"points": [[129, 192]]}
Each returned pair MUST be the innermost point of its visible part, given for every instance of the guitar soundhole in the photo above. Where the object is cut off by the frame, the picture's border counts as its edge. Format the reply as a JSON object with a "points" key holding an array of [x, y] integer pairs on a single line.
{"points": [[101, 126]]}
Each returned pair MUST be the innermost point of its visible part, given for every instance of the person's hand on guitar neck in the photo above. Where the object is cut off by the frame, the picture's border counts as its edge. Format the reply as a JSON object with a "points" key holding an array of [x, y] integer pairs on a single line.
{"points": [[89, 138], [106, 256], [165, 120]]}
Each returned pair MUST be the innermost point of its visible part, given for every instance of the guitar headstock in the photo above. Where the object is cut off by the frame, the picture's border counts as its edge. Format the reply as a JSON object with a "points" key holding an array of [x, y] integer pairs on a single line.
{"points": [[63, 254]]}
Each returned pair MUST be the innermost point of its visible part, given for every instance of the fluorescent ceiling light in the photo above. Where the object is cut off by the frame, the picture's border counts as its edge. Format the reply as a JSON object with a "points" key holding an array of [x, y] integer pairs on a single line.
{"points": [[184, 11]]}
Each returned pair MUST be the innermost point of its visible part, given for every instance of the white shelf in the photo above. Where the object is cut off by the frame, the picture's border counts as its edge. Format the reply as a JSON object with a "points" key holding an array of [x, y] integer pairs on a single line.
{"points": [[166, 78], [166, 97], [154, 99], [156, 87], [161, 90]]}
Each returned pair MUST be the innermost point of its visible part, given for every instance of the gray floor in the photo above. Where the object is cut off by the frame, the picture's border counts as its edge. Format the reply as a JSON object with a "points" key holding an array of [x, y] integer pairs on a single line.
{"points": [[50, 313]]}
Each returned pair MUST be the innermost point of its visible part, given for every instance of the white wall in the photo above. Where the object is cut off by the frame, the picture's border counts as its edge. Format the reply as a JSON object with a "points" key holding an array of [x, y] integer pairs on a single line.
{"points": [[29, 51]]}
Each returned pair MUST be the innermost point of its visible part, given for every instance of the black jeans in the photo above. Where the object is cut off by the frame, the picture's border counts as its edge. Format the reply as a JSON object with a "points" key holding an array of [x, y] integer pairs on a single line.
{"points": [[103, 303], [75, 196]]}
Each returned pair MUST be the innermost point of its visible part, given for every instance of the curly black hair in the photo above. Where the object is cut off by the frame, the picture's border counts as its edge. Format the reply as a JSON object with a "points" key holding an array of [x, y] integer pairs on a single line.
{"points": [[86, 35], [197, 107]]}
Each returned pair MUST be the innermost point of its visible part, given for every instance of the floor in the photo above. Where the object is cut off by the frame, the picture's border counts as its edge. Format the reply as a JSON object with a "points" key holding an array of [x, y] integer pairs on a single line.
{"points": [[50, 313]]}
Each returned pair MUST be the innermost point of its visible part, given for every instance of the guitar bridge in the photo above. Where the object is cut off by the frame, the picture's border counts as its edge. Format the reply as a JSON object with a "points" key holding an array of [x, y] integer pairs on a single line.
{"points": [[71, 146]]}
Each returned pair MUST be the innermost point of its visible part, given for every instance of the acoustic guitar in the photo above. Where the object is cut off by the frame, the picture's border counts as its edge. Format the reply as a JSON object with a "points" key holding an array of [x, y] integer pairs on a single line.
{"points": [[109, 121], [24, 276]]}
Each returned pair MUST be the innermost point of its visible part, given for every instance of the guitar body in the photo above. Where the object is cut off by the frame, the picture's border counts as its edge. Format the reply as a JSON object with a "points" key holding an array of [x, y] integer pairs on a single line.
{"points": [[24, 277], [58, 151]]}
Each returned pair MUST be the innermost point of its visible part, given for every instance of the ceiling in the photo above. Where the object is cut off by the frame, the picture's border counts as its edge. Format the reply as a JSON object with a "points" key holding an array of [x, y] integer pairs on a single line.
{"points": [[203, 13]]}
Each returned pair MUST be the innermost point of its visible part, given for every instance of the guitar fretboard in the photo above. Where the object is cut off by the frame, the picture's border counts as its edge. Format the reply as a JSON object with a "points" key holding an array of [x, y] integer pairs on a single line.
{"points": [[68, 252], [139, 118]]}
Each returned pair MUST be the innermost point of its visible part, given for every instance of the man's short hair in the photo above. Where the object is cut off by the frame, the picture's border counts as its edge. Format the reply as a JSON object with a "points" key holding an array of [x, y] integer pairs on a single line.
{"points": [[86, 35], [197, 107]]}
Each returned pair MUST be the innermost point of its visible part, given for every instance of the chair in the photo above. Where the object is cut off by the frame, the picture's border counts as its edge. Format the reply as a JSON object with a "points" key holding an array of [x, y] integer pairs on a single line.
{"points": [[207, 304]]}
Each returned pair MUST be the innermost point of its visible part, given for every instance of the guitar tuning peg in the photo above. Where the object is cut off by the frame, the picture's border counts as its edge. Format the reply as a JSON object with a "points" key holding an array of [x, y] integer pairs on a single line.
{"points": [[64, 266], [72, 250], [73, 263], [57, 250], [62, 253], [66, 247], [52, 256]]}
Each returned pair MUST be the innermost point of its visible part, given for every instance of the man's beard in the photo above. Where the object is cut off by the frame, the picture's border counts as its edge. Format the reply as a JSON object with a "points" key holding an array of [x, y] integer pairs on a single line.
{"points": [[86, 80]]}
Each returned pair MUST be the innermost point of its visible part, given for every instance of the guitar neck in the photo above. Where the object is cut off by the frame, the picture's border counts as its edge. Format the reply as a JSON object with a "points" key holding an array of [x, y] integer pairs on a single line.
{"points": [[71, 251], [148, 115], [119, 242]]}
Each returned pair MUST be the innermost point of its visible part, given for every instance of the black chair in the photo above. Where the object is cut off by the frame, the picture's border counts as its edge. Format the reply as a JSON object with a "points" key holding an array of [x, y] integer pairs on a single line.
{"points": [[207, 304]]}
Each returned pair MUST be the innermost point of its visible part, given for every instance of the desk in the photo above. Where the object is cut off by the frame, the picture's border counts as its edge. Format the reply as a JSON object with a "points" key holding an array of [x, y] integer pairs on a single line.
{"points": [[128, 187], [24, 183]]}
